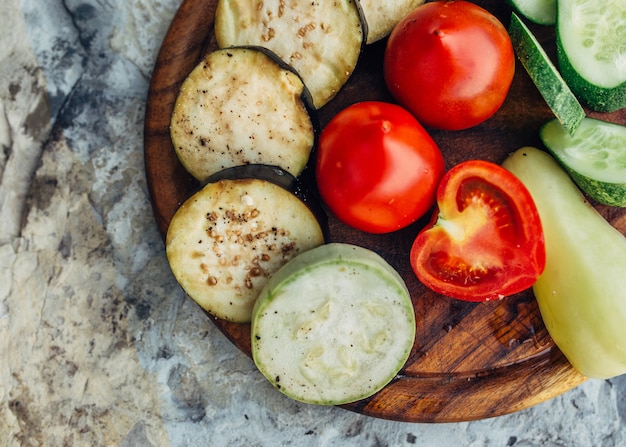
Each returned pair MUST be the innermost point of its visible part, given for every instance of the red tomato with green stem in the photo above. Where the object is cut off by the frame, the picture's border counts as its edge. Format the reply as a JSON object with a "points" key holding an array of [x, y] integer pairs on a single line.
{"points": [[485, 241], [377, 169], [450, 63]]}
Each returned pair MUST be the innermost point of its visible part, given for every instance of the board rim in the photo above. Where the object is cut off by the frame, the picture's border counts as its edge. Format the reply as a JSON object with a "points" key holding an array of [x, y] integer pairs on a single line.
{"points": [[408, 398]]}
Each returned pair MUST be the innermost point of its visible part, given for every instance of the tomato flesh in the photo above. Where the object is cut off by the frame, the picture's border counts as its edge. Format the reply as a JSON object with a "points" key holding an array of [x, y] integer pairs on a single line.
{"points": [[450, 63], [377, 169], [485, 241]]}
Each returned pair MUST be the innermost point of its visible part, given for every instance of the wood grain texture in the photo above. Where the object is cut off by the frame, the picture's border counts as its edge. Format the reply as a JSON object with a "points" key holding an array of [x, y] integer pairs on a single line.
{"points": [[469, 361]]}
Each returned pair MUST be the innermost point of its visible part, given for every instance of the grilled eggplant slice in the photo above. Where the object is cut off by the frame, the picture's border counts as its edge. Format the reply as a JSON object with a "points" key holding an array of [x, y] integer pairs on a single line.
{"points": [[320, 39], [242, 106], [383, 16], [225, 241]]}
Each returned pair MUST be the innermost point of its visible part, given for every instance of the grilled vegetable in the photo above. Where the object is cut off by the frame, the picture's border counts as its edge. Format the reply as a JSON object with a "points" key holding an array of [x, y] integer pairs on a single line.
{"points": [[226, 240], [242, 106], [595, 157], [334, 325], [322, 40], [582, 291], [590, 48], [381, 17]]}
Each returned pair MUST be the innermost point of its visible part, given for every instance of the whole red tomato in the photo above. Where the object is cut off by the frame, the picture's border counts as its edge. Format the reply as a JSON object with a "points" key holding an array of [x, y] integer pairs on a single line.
{"points": [[450, 63], [486, 240], [377, 169]]}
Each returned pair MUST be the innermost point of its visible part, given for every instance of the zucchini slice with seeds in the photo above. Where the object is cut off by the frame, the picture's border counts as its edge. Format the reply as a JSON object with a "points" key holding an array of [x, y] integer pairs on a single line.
{"points": [[226, 240], [320, 39], [591, 49], [333, 325], [595, 157], [382, 17], [242, 106]]}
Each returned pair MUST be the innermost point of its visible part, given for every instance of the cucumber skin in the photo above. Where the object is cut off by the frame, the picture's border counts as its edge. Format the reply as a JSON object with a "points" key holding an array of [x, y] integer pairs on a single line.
{"points": [[599, 99], [553, 88], [605, 193]]}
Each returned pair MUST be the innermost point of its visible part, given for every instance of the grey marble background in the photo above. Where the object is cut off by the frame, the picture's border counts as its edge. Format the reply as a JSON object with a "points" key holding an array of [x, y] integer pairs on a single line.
{"points": [[98, 345]]}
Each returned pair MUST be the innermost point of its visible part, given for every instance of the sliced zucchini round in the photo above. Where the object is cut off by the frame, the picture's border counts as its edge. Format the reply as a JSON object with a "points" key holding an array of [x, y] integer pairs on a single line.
{"points": [[320, 39], [591, 49], [242, 106], [334, 325], [226, 240], [595, 157], [382, 17]]}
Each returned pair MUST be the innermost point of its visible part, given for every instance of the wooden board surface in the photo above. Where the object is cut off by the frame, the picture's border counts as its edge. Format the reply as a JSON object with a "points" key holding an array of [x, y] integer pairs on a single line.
{"points": [[469, 361]]}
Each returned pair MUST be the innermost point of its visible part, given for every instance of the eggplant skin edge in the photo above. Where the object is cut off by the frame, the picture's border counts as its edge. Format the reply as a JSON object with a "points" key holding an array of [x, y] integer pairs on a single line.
{"points": [[298, 186], [322, 41], [243, 105], [227, 239]]}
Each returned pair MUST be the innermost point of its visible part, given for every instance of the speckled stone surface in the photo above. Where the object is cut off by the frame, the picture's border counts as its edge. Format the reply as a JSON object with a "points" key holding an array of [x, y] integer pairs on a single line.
{"points": [[98, 344]]}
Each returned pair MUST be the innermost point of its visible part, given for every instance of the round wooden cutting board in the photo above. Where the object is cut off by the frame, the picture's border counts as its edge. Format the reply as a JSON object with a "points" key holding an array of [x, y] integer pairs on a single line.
{"points": [[470, 360]]}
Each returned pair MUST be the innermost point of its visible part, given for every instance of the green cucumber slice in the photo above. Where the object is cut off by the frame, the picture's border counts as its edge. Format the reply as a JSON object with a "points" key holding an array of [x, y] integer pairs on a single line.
{"points": [[545, 75], [334, 325], [591, 44], [595, 157], [541, 12]]}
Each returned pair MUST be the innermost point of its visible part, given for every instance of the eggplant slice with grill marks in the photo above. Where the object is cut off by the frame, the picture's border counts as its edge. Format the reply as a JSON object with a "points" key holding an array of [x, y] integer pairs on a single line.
{"points": [[383, 16], [242, 106], [320, 39], [226, 241]]}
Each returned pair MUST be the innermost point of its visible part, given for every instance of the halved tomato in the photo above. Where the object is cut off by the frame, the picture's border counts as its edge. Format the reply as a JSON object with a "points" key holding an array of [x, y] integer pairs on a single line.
{"points": [[485, 241]]}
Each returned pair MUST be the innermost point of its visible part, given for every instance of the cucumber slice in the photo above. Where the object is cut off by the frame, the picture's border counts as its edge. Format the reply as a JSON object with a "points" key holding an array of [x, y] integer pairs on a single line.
{"points": [[322, 40], [382, 17], [226, 240], [545, 75], [242, 106], [334, 325], [541, 12], [591, 44], [595, 157]]}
